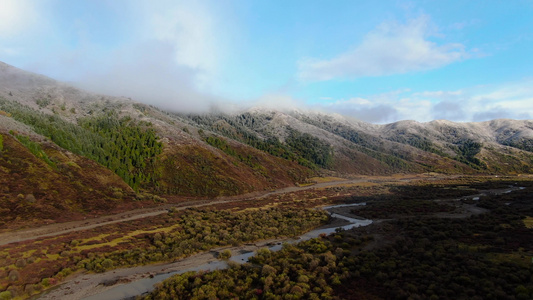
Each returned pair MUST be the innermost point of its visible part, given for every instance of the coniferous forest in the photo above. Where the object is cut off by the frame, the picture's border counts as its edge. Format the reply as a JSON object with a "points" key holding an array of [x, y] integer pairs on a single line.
{"points": [[123, 145]]}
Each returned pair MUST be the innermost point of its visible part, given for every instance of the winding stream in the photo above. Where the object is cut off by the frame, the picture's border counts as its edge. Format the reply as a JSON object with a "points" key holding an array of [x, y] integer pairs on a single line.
{"points": [[135, 288]]}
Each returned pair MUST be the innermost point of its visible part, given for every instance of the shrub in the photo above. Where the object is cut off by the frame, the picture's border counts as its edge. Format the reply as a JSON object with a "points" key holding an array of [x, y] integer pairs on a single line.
{"points": [[42, 102], [30, 198], [35, 148], [45, 282], [226, 254], [20, 263], [14, 275], [29, 289], [6, 295], [118, 194], [107, 263]]}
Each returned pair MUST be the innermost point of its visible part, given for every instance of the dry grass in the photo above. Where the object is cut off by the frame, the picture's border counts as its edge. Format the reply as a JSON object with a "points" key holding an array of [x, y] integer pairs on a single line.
{"points": [[517, 258], [249, 209], [325, 179], [528, 222], [357, 184], [124, 238]]}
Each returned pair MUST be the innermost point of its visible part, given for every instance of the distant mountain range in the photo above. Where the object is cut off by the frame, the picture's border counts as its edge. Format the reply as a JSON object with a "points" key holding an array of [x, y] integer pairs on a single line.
{"points": [[63, 149]]}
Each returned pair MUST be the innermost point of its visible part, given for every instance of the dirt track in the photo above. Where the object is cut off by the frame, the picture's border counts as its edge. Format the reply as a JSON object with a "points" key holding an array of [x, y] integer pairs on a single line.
{"points": [[62, 228]]}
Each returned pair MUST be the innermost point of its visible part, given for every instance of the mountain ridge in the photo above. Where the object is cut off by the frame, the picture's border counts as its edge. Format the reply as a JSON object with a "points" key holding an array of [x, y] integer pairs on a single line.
{"points": [[228, 153]]}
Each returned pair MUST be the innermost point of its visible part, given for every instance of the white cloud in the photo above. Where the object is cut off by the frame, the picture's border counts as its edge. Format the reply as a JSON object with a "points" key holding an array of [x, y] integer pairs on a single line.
{"points": [[438, 94], [363, 110], [464, 24], [356, 101], [166, 53], [20, 20], [192, 29], [481, 103], [448, 110], [392, 48], [147, 74], [8, 51], [512, 100], [278, 101], [16, 16], [509, 91]]}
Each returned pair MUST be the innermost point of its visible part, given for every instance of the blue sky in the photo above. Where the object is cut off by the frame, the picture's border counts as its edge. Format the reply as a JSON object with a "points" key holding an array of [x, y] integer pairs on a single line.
{"points": [[376, 61]]}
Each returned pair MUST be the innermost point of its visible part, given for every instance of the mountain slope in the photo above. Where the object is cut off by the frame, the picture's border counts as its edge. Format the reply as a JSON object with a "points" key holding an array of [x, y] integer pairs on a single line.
{"points": [[136, 148], [499, 146], [72, 153], [34, 190]]}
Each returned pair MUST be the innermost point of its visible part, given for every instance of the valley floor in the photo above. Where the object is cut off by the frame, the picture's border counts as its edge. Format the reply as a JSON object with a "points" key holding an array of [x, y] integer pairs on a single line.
{"points": [[86, 285], [71, 249], [90, 223]]}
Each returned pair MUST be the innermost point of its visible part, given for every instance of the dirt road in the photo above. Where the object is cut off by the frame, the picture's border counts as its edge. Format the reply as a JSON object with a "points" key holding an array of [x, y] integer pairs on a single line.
{"points": [[63, 228], [67, 227]]}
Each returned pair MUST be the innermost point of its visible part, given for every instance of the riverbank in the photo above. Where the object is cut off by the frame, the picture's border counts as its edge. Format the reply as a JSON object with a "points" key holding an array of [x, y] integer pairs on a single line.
{"points": [[87, 285], [80, 286], [112, 285]]}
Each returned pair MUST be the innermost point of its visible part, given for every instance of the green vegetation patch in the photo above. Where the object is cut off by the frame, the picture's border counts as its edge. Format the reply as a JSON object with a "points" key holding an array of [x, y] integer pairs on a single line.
{"points": [[302, 148], [43, 102], [130, 148], [35, 149], [466, 152], [290, 272], [419, 142], [310, 149], [522, 143], [125, 146]]}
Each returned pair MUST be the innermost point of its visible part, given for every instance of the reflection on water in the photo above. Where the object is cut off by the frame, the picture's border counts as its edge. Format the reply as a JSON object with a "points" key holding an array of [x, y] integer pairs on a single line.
{"points": [[135, 288], [344, 205]]}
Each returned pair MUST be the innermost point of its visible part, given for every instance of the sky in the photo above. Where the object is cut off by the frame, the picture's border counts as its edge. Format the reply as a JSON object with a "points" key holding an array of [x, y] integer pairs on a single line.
{"points": [[375, 61]]}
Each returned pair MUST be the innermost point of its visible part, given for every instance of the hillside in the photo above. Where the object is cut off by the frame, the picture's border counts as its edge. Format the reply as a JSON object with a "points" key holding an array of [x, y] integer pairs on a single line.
{"points": [[494, 147], [63, 149]]}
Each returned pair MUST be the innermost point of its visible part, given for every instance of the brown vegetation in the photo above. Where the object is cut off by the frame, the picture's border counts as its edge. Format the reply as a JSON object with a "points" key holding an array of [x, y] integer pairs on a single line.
{"points": [[486, 256], [33, 192]]}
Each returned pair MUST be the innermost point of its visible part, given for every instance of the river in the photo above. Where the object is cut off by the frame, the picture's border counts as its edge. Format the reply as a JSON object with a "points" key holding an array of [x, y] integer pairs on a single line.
{"points": [[145, 285]]}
